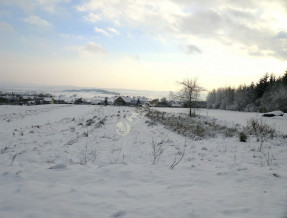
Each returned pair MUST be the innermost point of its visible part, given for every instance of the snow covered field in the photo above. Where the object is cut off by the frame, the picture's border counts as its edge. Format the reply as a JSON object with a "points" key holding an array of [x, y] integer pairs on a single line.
{"points": [[96, 161]]}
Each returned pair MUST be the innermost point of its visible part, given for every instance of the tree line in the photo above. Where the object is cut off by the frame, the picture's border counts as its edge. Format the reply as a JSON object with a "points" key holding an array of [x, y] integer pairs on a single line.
{"points": [[268, 94]]}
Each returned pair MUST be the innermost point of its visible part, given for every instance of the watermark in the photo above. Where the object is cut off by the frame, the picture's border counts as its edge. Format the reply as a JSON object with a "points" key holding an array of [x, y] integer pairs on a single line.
{"points": [[124, 126]]}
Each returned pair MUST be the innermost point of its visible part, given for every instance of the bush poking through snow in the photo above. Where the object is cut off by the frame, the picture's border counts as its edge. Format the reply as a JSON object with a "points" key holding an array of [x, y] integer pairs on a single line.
{"points": [[260, 129], [157, 150], [266, 158], [193, 127], [101, 122], [263, 132], [177, 161], [3, 150], [88, 156], [89, 122], [13, 159], [242, 137], [119, 150]]}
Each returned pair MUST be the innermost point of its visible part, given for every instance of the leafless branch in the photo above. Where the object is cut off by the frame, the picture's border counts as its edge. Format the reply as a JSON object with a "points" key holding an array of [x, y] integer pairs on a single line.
{"points": [[176, 162]]}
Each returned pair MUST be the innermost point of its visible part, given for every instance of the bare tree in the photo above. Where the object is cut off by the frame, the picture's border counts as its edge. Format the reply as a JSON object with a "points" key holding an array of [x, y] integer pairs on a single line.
{"points": [[189, 93]]}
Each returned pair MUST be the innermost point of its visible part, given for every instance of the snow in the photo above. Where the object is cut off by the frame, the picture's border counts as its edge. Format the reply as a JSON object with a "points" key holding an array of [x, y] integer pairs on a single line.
{"points": [[274, 113], [95, 161]]}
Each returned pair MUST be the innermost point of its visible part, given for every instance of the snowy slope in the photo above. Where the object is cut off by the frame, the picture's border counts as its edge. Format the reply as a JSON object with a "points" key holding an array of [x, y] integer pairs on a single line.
{"points": [[96, 161]]}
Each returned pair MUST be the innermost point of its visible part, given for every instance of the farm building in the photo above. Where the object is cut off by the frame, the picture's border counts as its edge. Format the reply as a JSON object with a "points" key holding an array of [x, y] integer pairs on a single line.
{"points": [[123, 101]]}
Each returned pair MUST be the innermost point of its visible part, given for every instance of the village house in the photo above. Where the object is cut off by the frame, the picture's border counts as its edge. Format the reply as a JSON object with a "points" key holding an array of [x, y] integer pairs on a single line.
{"points": [[175, 104], [47, 100], [128, 101], [60, 100], [123, 101]]}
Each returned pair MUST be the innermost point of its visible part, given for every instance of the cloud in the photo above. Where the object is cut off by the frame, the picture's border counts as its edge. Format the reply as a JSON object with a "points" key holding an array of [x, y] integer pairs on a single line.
{"points": [[50, 6], [192, 49], [282, 35], [113, 30], [249, 24], [109, 32], [5, 14], [27, 6], [130, 58], [102, 31], [94, 48], [131, 13], [201, 4], [203, 23], [92, 17], [7, 33], [253, 33], [71, 36], [91, 51], [6, 28], [37, 21]]}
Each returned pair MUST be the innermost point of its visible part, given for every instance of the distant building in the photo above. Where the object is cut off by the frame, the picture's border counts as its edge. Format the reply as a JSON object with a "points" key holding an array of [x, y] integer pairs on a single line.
{"points": [[60, 100], [174, 104], [123, 101], [49, 100]]}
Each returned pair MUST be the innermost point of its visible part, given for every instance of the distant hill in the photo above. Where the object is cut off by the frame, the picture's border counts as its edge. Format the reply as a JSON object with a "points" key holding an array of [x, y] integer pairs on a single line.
{"points": [[102, 91]]}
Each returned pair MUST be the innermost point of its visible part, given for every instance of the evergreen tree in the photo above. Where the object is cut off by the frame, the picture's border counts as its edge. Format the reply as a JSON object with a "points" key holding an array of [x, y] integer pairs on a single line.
{"points": [[269, 93]]}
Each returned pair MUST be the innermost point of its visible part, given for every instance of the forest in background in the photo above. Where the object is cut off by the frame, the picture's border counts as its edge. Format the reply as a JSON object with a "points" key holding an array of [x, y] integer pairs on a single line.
{"points": [[268, 94]]}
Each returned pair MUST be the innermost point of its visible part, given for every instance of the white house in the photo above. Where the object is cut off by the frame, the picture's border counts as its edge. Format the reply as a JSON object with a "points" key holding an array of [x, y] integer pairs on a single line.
{"points": [[174, 104]]}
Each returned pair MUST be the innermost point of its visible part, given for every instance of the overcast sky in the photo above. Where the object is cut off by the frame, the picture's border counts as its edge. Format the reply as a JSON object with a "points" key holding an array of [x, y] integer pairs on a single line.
{"points": [[141, 44]]}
